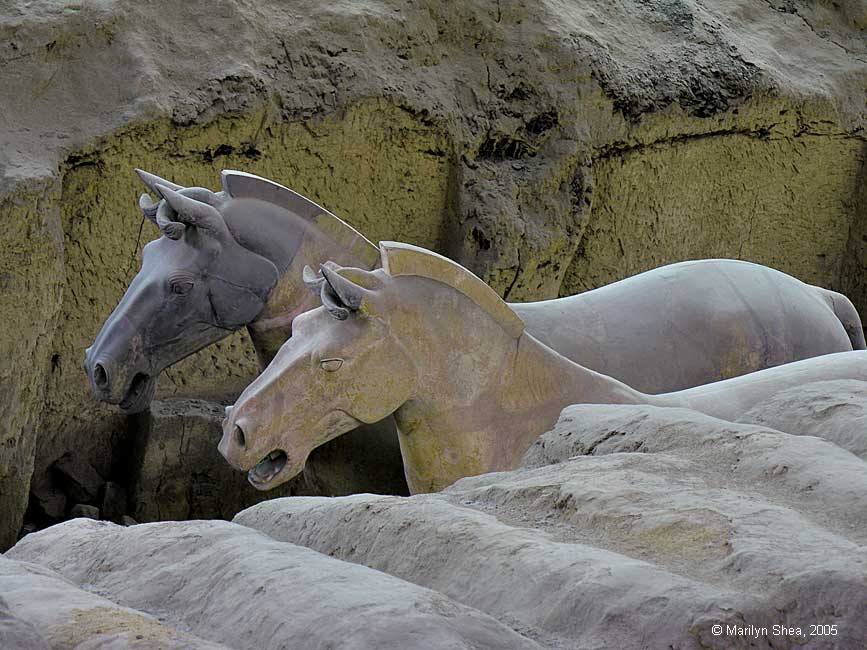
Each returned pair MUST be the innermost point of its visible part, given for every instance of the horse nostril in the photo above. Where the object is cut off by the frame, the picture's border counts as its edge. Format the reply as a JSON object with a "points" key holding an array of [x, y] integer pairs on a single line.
{"points": [[100, 376], [239, 437]]}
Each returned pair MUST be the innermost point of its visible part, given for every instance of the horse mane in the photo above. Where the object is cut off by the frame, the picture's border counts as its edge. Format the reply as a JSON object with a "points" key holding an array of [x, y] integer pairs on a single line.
{"points": [[405, 259], [241, 185]]}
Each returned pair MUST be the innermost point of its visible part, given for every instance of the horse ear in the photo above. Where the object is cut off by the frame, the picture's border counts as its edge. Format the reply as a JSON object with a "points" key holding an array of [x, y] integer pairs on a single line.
{"points": [[196, 213], [312, 280], [152, 181], [148, 208], [158, 214], [341, 290], [342, 295], [166, 223], [349, 293]]}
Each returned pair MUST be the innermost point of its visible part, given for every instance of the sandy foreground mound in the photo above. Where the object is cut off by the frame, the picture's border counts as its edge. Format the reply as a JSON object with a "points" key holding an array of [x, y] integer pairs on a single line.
{"points": [[627, 527], [39, 610]]}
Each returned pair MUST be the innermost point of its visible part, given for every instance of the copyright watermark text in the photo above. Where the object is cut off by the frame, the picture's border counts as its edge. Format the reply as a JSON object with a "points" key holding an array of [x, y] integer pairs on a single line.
{"points": [[758, 631]]}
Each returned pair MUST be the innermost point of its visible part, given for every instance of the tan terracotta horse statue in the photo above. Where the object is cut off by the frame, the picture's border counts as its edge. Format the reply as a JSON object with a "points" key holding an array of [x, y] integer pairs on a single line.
{"points": [[424, 339]]}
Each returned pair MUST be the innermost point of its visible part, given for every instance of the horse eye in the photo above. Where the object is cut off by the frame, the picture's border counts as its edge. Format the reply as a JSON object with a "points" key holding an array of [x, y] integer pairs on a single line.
{"points": [[330, 365], [181, 287]]}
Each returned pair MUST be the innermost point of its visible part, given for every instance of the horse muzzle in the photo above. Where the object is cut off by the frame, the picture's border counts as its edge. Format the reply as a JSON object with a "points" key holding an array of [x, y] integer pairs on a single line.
{"points": [[112, 382]]}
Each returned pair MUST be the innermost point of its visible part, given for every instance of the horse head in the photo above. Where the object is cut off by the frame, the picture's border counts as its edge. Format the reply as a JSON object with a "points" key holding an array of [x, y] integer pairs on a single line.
{"points": [[415, 329], [197, 284]]}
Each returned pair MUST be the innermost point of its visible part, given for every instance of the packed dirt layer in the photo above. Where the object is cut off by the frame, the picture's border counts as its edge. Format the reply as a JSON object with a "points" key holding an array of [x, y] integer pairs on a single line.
{"points": [[785, 193], [31, 276]]}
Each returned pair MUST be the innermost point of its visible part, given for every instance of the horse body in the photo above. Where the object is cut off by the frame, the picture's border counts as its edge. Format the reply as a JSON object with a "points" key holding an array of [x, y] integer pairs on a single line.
{"points": [[469, 387], [692, 323]]}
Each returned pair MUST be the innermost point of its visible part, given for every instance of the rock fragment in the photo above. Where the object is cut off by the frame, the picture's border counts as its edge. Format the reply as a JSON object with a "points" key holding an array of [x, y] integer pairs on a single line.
{"points": [[84, 510], [79, 480]]}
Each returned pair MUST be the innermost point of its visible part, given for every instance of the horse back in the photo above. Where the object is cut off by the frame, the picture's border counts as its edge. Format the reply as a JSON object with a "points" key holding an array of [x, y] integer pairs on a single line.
{"points": [[689, 324]]}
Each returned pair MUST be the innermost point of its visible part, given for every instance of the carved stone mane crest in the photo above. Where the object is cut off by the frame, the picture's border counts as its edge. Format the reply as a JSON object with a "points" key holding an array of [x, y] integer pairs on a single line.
{"points": [[405, 259]]}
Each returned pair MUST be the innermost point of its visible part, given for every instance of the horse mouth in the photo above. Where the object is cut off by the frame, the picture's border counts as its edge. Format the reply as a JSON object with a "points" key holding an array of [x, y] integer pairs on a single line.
{"points": [[137, 395], [267, 469]]}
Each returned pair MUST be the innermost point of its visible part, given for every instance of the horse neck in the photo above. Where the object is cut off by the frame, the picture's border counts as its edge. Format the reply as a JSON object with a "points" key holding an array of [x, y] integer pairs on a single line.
{"points": [[273, 326], [291, 243], [444, 438], [278, 238]]}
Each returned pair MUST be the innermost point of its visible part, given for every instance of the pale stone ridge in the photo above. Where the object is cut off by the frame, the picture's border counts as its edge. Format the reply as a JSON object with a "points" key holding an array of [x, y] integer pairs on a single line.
{"points": [[234, 585], [833, 410], [701, 521]]}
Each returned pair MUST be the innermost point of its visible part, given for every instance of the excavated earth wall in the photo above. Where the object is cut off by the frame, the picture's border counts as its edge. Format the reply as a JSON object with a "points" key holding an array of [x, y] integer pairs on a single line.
{"points": [[549, 146]]}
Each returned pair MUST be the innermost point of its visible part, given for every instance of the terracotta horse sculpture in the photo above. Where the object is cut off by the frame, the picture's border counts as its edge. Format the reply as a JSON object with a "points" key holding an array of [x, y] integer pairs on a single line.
{"points": [[225, 260], [233, 259], [469, 386]]}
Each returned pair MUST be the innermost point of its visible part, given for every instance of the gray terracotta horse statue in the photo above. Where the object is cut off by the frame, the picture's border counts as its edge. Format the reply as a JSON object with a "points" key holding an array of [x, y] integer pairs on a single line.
{"points": [[226, 260], [469, 385], [233, 258]]}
